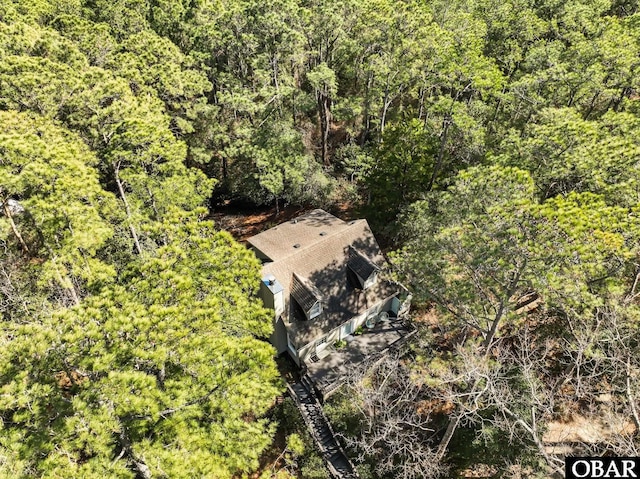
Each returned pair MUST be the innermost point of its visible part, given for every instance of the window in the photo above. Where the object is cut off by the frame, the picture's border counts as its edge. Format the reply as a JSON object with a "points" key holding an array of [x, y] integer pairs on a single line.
{"points": [[315, 310], [306, 296], [346, 329], [371, 280]]}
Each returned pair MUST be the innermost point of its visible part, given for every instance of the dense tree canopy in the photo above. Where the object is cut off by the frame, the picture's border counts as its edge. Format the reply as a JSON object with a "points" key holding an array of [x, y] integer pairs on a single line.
{"points": [[487, 251], [494, 145], [134, 344], [159, 375]]}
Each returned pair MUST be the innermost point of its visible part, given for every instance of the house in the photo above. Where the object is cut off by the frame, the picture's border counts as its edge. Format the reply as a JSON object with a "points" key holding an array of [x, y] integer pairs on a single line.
{"points": [[321, 276]]}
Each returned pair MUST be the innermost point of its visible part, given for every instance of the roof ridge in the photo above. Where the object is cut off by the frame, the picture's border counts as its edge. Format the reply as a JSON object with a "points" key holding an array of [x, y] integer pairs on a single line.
{"points": [[360, 253], [348, 226]]}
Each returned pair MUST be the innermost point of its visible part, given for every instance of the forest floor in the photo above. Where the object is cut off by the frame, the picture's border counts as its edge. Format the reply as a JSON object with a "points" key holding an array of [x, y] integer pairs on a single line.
{"points": [[560, 435], [244, 221]]}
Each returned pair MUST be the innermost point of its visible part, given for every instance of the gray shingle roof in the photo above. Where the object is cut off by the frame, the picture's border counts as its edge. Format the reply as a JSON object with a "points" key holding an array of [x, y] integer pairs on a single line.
{"points": [[360, 264], [306, 230], [304, 292], [323, 263]]}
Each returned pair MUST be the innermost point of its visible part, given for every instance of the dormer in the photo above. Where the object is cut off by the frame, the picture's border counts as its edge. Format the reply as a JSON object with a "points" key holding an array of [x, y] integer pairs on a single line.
{"points": [[307, 296], [364, 269]]}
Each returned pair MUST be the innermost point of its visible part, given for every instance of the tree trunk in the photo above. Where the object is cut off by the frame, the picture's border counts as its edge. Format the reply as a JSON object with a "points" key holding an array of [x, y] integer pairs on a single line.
{"points": [[443, 142], [225, 168], [154, 208], [324, 107], [536, 440], [139, 465], [592, 105], [623, 92], [511, 289], [14, 228], [276, 83], [446, 439], [486, 345], [632, 293], [366, 120], [385, 106], [62, 280], [134, 235]]}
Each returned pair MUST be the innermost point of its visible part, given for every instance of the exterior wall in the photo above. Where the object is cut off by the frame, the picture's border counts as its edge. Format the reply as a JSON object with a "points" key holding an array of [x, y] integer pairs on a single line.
{"points": [[395, 305], [279, 336], [291, 349], [359, 320], [309, 350], [267, 296], [334, 335], [351, 329], [304, 353], [278, 303], [363, 281]]}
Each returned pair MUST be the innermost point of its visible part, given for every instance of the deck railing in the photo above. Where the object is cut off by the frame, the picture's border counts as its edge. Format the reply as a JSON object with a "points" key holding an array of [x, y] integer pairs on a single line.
{"points": [[326, 388]]}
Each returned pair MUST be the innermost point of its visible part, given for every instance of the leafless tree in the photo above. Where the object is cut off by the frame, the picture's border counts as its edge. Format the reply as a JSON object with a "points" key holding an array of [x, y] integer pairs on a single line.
{"points": [[397, 428], [546, 367], [512, 390], [616, 370]]}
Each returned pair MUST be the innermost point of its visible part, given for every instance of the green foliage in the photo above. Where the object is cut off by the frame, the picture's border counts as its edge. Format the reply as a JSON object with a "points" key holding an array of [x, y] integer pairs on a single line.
{"points": [[314, 468], [479, 243], [567, 153], [404, 164], [476, 251], [323, 79], [503, 135], [61, 220], [163, 369], [148, 60], [343, 413], [274, 166], [308, 460], [295, 444], [473, 247], [340, 344]]}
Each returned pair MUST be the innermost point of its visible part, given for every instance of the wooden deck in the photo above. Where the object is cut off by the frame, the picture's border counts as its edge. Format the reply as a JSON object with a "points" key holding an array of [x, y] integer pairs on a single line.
{"points": [[328, 374], [321, 378]]}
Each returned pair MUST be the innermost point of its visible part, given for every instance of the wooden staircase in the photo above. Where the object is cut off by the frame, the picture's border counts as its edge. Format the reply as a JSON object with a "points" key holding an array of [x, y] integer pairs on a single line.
{"points": [[305, 397]]}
